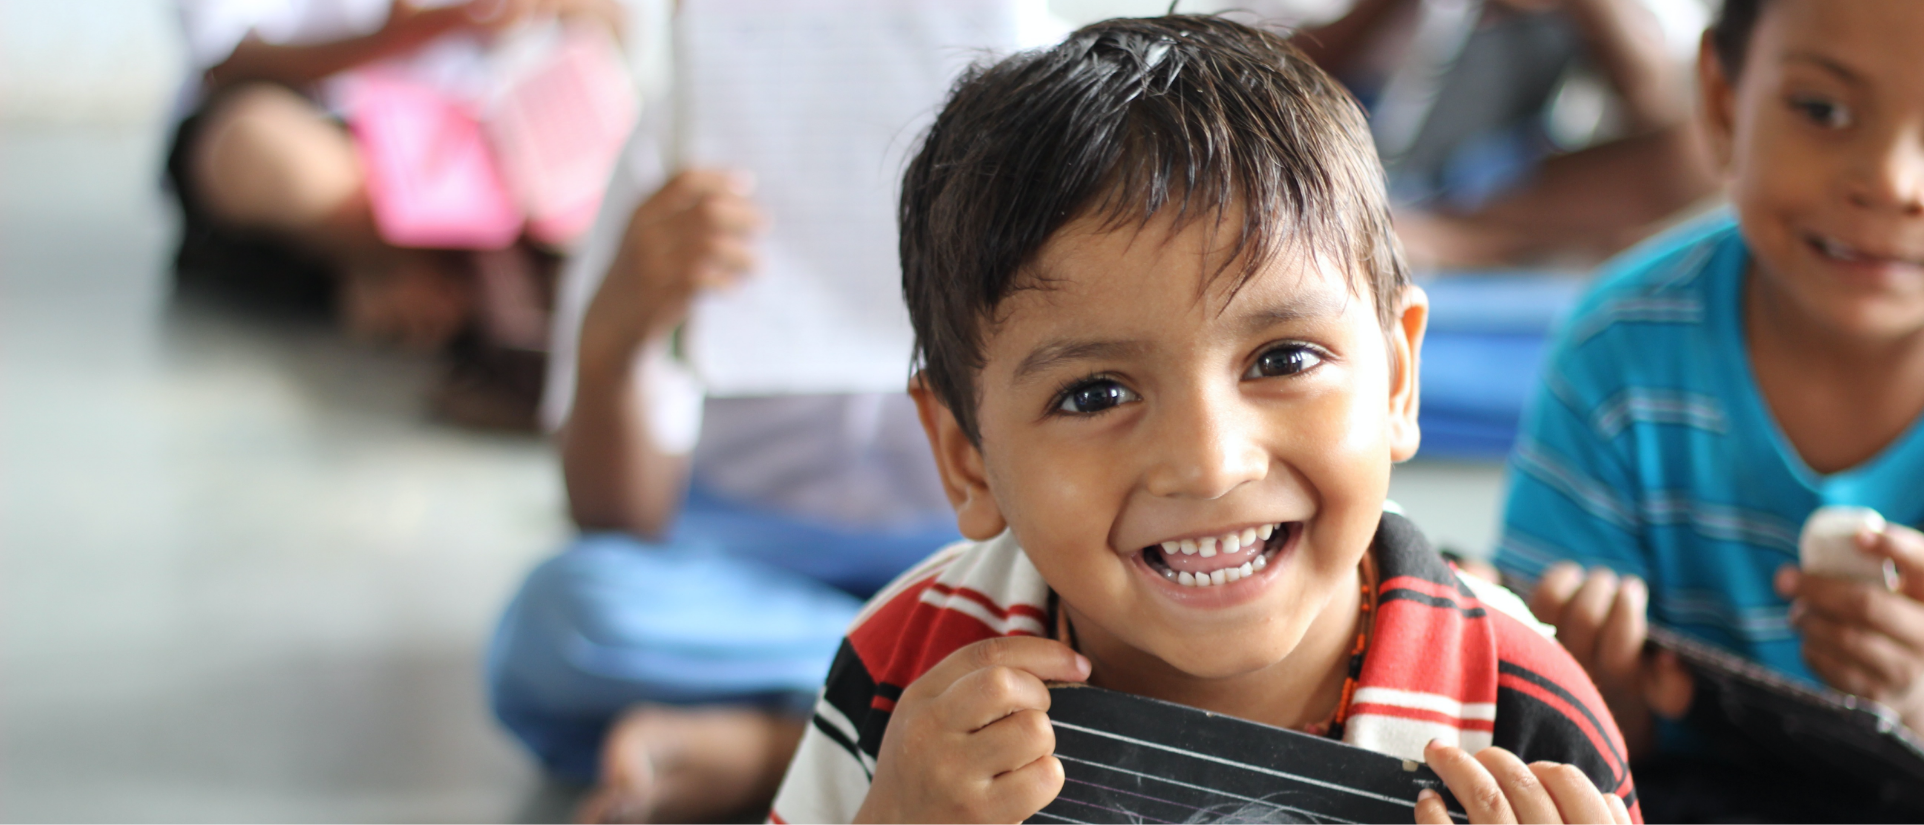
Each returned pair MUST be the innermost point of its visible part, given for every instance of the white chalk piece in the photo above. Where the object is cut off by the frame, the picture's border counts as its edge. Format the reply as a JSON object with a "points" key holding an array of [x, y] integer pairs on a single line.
{"points": [[1828, 545]]}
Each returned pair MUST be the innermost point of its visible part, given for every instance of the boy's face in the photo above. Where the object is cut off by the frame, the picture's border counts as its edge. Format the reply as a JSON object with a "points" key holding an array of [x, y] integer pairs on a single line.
{"points": [[1124, 409], [1822, 136]]}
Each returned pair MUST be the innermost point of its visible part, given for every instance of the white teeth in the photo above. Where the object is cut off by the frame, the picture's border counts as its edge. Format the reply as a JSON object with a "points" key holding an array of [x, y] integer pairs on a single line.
{"points": [[1189, 547], [1249, 536], [1259, 562], [1186, 579], [1206, 547], [1248, 568], [1218, 576], [1232, 543], [1171, 547], [1232, 573], [1265, 531]]}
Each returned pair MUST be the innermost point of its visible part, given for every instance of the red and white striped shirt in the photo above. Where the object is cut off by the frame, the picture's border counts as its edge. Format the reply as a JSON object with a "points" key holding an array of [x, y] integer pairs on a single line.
{"points": [[1450, 658]]}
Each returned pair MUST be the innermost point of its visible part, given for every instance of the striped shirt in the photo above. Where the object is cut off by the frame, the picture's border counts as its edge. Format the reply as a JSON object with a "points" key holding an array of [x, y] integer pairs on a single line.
{"points": [[1648, 449], [1450, 658]]}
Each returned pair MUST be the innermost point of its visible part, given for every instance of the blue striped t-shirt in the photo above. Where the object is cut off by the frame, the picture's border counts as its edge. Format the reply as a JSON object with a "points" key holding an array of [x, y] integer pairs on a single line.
{"points": [[1648, 449]]}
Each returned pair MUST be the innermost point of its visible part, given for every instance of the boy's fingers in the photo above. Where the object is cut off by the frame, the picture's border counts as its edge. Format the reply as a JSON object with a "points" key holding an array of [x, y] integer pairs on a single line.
{"points": [[1011, 742], [1577, 798], [1430, 809], [1554, 590], [1529, 801], [1882, 659], [1025, 790], [1482, 798], [1046, 659], [1905, 548], [1670, 688], [1863, 605], [983, 697], [1619, 649], [1583, 617], [1619, 813], [687, 187]]}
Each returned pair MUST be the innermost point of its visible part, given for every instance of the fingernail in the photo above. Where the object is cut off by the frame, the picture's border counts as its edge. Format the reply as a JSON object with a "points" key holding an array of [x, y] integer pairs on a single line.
{"points": [[1083, 665], [1436, 743], [1426, 795]]}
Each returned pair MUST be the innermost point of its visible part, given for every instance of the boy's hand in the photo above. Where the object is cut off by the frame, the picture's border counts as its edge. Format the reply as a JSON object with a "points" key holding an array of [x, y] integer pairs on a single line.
{"points": [[1864, 638], [970, 741], [694, 233], [1600, 619], [1495, 786]]}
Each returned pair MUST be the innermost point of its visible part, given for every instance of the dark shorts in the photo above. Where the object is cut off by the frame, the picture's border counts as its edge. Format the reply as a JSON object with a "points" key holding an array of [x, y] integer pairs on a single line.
{"points": [[225, 262]]}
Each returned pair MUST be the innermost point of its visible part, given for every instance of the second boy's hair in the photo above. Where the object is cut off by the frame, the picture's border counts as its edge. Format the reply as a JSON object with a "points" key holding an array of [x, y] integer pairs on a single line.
{"points": [[1222, 122], [1730, 34]]}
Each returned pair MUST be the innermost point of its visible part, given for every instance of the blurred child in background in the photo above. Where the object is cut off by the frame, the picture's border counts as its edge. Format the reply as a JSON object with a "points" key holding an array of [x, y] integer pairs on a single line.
{"points": [[1726, 380], [1461, 96]]}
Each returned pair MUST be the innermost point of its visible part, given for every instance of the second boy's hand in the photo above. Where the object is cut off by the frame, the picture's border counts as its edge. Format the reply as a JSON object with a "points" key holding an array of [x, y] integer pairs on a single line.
{"points": [[970, 740], [1862, 638], [1600, 619]]}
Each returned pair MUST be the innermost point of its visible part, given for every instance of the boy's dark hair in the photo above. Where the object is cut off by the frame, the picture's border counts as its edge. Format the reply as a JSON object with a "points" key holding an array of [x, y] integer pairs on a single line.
{"points": [[1730, 34], [1125, 118]]}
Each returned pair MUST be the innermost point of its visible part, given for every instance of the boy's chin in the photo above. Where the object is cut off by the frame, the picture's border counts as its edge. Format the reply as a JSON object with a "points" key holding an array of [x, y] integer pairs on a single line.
{"points": [[1240, 655]]}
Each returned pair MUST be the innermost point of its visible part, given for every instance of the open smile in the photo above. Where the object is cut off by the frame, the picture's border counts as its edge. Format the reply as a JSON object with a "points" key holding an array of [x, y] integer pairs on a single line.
{"points": [[1214, 561], [1845, 253]]}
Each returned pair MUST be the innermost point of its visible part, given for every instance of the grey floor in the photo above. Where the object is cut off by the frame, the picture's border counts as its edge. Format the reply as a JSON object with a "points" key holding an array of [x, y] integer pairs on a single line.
{"points": [[244, 578]]}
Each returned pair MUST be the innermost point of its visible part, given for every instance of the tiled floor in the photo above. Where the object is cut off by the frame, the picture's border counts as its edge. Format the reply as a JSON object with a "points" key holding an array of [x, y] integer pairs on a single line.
{"points": [[243, 578]]}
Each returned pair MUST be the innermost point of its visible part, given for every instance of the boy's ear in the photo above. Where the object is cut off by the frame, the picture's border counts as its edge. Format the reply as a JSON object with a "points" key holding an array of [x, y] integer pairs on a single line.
{"points": [[1717, 97], [1406, 342], [959, 461]]}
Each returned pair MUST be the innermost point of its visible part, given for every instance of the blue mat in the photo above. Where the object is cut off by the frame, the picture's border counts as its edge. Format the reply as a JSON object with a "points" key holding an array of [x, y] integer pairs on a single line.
{"points": [[1487, 336]]}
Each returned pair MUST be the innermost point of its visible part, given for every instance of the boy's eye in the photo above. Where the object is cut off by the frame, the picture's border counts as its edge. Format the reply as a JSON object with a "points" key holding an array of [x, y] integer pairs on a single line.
{"points": [[1288, 359], [1095, 396], [1824, 112]]}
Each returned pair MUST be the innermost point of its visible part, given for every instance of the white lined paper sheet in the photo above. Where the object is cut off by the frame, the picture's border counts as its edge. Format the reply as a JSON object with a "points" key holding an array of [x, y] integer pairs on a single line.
{"points": [[823, 100]]}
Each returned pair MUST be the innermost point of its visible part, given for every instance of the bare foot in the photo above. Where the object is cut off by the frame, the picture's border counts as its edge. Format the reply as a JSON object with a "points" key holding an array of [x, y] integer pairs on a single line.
{"points": [[417, 299], [673, 764]]}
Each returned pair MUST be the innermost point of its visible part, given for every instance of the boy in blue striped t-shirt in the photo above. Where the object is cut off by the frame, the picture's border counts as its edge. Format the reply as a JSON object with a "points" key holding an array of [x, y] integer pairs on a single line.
{"points": [[1723, 382]]}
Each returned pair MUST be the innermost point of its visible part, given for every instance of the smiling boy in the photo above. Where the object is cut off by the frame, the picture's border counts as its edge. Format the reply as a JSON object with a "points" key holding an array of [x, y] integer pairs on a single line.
{"points": [[1723, 382], [1168, 356]]}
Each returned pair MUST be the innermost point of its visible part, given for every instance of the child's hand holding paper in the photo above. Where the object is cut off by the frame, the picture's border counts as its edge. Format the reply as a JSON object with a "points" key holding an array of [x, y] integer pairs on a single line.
{"points": [[694, 234], [1865, 636], [970, 740], [1495, 786]]}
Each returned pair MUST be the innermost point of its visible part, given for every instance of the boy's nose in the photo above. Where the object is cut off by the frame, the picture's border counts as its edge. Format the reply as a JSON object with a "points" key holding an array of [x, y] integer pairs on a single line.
{"points": [[1204, 450], [1895, 178]]}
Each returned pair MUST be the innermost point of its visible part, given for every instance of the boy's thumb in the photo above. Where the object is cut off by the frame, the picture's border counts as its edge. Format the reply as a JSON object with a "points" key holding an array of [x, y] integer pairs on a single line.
{"points": [[1668, 686]]}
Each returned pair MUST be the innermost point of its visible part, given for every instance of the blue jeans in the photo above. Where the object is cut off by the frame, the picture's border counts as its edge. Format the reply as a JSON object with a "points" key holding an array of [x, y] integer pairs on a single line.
{"points": [[735, 605]]}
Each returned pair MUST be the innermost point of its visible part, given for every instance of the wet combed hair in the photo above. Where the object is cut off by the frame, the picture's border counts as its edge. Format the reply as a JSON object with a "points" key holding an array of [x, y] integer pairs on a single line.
{"points": [[1219, 121], [1730, 34]]}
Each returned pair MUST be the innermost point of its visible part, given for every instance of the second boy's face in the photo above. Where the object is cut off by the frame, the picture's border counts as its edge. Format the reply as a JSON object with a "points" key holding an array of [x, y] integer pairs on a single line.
{"points": [[1195, 474], [1823, 138]]}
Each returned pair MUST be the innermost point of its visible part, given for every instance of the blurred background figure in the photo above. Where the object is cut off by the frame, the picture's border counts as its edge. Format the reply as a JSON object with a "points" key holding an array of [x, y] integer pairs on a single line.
{"points": [[672, 654], [1520, 132], [279, 195]]}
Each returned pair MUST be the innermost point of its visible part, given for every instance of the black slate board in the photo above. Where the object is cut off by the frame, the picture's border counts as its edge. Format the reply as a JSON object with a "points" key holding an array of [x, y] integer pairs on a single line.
{"points": [[1817, 734], [1133, 759]]}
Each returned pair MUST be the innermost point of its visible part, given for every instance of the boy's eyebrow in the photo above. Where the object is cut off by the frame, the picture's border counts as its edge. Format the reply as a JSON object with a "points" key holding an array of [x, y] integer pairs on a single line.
{"points": [[1825, 62], [1056, 352], [1314, 305]]}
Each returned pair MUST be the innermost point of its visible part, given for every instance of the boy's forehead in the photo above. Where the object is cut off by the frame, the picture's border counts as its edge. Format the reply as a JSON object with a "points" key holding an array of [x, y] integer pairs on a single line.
{"points": [[1091, 277], [1847, 39]]}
